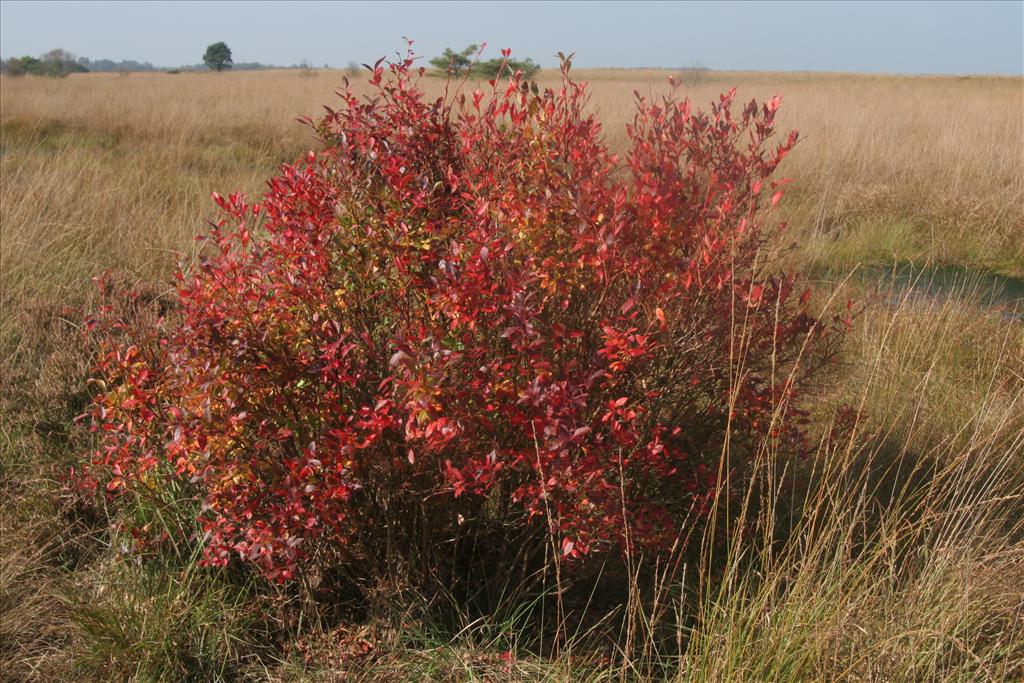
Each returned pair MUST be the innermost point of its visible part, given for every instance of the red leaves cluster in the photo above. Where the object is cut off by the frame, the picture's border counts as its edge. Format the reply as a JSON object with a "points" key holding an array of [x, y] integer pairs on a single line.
{"points": [[467, 297]]}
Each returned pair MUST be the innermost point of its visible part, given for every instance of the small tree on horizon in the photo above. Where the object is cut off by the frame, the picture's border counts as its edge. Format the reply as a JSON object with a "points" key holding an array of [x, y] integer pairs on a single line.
{"points": [[218, 56], [457, 63]]}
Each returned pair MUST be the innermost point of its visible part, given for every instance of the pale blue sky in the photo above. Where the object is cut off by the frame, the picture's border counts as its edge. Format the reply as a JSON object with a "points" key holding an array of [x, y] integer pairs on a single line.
{"points": [[896, 37]]}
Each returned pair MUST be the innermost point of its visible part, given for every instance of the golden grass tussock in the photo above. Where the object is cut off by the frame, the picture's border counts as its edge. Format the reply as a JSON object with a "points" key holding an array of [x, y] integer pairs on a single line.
{"points": [[900, 559]]}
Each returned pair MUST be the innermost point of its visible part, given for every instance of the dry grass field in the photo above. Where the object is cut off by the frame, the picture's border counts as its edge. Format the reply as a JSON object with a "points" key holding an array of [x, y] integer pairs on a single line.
{"points": [[106, 170], [905, 560]]}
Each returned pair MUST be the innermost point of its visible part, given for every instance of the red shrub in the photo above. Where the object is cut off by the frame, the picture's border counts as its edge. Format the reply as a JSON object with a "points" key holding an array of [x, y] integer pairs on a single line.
{"points": [[469, 302]]}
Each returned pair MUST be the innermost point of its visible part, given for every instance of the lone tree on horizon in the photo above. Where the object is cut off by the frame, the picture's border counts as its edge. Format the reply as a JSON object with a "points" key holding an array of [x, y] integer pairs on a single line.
{"points": [[458, 63], [218, 56]]}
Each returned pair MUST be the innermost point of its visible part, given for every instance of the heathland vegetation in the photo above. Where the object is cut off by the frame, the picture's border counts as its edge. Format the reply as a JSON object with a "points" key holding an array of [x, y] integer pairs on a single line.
{"points": [[861, 521]]}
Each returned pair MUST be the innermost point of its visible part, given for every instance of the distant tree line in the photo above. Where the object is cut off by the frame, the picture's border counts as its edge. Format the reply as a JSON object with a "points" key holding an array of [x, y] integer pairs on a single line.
{"points": [[54, 63], [236, 66], [59, 63], [104, 65]]}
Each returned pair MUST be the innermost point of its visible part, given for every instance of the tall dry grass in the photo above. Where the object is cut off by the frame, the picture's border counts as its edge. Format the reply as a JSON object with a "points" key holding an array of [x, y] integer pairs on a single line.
{"points": [[120, 167], [900, 559]]}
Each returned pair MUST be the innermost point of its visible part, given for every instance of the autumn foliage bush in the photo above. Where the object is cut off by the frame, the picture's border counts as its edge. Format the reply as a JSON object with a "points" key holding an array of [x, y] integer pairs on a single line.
{"points": [[467, 311]]}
